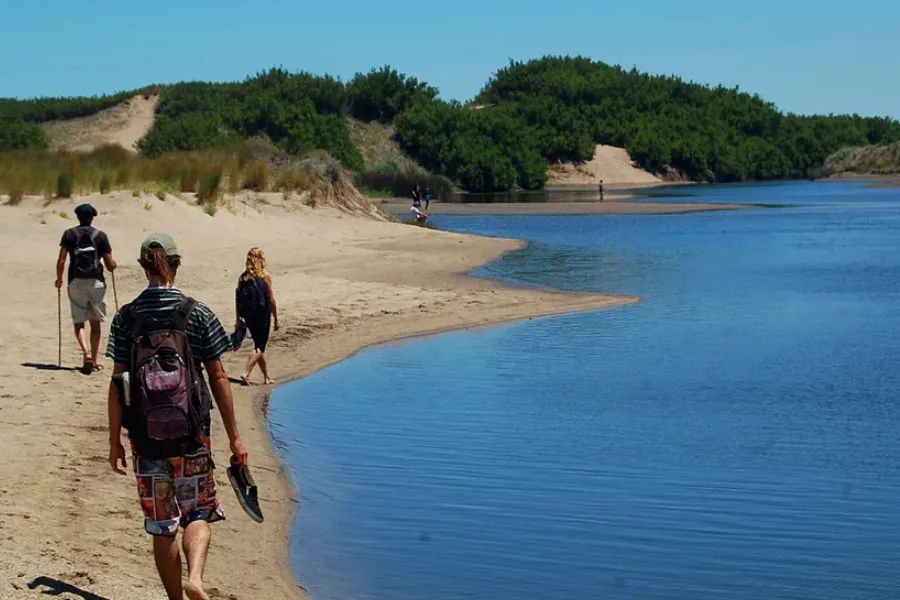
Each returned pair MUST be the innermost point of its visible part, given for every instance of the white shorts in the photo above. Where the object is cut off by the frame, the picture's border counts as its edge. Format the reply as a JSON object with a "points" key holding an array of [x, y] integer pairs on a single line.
{"points": [[86, 298]]}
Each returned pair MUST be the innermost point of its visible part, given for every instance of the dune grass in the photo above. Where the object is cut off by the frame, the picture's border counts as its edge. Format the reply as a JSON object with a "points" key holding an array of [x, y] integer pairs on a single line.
{"points": [[869, 160], [208, 173]]}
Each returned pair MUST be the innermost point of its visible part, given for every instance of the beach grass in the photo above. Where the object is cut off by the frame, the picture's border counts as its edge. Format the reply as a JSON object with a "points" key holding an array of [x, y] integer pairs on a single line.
{"points": [[208, 173]]}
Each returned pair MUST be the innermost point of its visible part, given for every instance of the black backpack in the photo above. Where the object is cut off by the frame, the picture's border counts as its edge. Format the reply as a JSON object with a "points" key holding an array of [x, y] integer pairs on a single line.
{"points": [[166, 411], [85, 257], [250, 298]]}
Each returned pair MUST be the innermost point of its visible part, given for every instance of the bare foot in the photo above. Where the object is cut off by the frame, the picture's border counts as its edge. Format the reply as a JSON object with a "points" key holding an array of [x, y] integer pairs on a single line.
{"points": [[194, 591], [270, 381], [245, 380]]}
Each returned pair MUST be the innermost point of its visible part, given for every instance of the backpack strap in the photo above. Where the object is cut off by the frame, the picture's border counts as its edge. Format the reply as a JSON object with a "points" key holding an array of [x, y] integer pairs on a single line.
{"points": [[183, 313]]}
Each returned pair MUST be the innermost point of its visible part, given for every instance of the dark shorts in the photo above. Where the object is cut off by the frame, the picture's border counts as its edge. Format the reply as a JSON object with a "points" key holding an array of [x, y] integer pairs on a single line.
{"points": [[259, 327], [177, 491]]}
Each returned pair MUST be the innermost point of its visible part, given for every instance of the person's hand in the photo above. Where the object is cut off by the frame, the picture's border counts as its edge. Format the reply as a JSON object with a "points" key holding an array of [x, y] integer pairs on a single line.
{"points": [[116, 456], [59, 284], [239, 451], [276, 325]]}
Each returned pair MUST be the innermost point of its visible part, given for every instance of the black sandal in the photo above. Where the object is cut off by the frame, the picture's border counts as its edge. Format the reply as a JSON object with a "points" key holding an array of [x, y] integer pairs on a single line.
{"points": [[245, 489]]}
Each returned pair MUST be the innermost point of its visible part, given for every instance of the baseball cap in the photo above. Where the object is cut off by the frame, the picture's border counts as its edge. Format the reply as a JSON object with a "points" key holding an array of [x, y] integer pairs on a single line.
{"points": [[159, 240], [85, 210]]}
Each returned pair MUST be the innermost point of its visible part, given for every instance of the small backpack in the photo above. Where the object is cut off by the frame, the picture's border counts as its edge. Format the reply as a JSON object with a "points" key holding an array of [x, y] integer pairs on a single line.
{"points": [[166, 415], [85, 257], [250, 298]]}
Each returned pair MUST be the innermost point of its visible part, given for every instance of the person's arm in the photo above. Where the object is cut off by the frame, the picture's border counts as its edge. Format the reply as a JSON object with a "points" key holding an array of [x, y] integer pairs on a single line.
{"points": [[61, 266], [272, 303], [106, 254], [114, 409], [221, 391], [110, 262]]}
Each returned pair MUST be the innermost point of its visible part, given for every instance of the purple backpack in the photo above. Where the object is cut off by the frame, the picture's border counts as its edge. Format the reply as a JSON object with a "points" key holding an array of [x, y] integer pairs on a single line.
{"points": [[165, 416]]}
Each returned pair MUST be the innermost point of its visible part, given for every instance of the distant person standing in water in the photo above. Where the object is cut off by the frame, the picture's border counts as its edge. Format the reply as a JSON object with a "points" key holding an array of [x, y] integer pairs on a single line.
{"points": [[255, 304], [417, 195], [601, 190], [427, 198], [88, 251]]}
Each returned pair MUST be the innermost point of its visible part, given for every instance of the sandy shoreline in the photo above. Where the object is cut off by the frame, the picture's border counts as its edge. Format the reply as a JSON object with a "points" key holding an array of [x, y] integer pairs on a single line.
{"points": [[617, 207], [344, 283]]}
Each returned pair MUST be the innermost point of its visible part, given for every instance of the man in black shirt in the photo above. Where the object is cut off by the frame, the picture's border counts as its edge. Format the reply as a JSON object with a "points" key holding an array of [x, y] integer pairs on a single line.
{"points": [[88, 251]]}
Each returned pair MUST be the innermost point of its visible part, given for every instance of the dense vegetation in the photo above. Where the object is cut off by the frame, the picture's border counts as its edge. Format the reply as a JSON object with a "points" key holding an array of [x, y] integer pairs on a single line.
{"points": [[559, 108], [527, 115]]}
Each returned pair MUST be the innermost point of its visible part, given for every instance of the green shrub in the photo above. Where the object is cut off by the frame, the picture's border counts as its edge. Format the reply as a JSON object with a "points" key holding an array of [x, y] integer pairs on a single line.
{"points": [[401, 183], [210, 209], [65, 184]]}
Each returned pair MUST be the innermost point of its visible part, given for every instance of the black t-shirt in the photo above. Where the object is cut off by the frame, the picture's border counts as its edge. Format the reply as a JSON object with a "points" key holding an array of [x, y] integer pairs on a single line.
{"points": [[69, 241]]}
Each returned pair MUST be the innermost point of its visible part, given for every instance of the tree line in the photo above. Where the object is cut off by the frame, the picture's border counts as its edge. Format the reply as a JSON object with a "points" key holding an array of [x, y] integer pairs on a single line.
{"points": [[527, 115]]}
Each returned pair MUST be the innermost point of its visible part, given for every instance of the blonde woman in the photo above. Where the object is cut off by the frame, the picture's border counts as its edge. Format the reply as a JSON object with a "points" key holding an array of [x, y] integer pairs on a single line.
{"points": [[256, 306]]}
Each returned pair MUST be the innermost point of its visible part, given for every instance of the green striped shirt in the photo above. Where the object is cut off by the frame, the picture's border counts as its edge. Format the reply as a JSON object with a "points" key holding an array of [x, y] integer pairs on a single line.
{"points": [[206, 336]]}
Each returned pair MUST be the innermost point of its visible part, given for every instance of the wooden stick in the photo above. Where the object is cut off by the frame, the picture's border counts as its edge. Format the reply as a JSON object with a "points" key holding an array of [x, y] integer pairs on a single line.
{"points": [[115, 293], [59, 326]]}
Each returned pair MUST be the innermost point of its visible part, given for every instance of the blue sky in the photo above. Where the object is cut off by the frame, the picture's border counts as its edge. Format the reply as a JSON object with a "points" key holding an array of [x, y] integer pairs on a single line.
{"points": [[809, 57]]}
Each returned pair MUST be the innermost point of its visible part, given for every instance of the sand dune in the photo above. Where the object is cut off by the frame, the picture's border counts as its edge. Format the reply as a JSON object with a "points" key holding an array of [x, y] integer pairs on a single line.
{"points": [[613, 165], [124, 124], [344, 281]]}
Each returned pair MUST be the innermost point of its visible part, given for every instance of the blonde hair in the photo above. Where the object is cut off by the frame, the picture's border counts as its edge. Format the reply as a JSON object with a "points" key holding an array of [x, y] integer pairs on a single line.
{"points": [[256, 264]]}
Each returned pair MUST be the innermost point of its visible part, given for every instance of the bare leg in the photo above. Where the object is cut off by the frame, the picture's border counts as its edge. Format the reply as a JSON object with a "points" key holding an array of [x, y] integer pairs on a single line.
{"points": [[264, 368], [95, 340], [82, 342], [196, 548], [168, 563], [251, 362]]}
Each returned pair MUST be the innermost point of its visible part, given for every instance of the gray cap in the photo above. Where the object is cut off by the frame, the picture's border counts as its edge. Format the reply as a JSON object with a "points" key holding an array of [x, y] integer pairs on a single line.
{"points": [[159, 240]]}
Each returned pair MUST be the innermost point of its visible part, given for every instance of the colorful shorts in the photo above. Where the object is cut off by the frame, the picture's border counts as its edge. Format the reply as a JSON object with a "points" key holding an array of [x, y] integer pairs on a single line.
{"points": [[177, 491]]}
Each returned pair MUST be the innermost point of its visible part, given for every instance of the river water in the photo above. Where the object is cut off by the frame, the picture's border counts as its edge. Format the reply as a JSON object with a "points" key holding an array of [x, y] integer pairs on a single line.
{"points": [[735, 435]]}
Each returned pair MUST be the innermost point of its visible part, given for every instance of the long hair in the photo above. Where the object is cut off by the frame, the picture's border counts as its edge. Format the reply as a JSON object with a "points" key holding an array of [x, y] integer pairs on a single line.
{"points": [[256, 265], [165, 267]]}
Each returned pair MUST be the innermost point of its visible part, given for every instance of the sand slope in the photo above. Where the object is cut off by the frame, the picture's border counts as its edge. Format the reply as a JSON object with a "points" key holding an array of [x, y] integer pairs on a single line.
{"points": [[124, 124], [343, 281], [612, 165]]}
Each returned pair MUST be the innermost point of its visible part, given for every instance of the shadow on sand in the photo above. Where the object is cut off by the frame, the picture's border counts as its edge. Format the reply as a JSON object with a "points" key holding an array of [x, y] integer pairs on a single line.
{"points": [[55, 587]]}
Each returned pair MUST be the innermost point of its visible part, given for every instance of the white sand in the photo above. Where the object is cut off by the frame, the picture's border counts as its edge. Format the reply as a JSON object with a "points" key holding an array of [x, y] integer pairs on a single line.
{"points": [[124, 124], [611, 164]]}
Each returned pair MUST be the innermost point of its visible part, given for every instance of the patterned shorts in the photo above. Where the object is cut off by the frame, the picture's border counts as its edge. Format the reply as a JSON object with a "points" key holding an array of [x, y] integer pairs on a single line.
{"points": [[177, 491]]}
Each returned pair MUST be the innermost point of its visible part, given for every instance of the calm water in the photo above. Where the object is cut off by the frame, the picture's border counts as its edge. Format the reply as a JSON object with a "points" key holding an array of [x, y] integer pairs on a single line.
{"points": [[734, 436]]}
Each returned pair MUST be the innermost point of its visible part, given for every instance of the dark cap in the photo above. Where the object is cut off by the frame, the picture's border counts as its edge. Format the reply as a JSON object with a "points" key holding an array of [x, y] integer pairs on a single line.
{"points": [[159, 240], [85, 211]]}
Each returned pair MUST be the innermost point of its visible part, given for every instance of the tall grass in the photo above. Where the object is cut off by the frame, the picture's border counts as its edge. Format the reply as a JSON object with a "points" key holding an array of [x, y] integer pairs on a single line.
{"points": [[877, 160], [208, 173]]}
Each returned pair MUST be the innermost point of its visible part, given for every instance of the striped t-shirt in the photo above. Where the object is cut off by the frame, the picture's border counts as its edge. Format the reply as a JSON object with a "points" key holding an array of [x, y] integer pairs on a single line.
{"points": [[206, 336]]}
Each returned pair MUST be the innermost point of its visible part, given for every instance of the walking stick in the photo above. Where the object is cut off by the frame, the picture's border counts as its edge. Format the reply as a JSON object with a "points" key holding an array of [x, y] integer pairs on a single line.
{"points": [[115, 293], [59, 326]]}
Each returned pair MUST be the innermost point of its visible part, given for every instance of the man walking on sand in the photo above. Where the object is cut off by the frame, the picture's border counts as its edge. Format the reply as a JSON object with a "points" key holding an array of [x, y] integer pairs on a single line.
{"points": [[88, 250], [160, 344], [601, 190]]}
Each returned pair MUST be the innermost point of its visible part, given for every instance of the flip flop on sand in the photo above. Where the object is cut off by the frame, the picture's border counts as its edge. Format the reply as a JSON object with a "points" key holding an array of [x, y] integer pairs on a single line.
{"points": [[87, 367], [245, 381], [245, 489]]}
